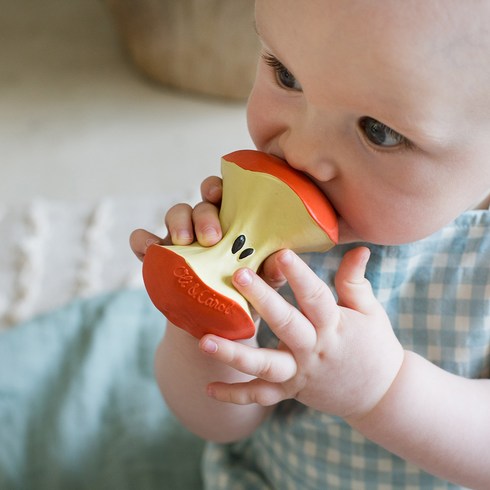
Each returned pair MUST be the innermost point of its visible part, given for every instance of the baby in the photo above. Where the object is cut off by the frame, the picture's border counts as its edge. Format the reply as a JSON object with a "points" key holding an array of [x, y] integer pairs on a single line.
{"points": [[366, 372]]}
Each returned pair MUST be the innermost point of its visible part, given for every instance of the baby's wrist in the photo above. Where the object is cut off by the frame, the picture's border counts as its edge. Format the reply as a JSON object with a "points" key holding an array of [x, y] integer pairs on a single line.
{"points": [[369, 410]]}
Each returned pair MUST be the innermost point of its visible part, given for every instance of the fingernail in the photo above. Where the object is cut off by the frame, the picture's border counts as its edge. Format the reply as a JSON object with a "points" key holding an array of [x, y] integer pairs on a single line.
{"points": [[183, 237], [210, 391], [209, 346], [150, 241], [243, 277], [210, 234]]}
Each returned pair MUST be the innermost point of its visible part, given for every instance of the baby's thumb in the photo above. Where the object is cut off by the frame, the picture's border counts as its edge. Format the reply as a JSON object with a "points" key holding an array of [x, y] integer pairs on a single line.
{"points": [[353, 289]]}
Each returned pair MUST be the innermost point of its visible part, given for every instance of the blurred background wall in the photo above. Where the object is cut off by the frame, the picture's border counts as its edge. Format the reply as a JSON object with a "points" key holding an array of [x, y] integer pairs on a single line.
{"points": [[91, 103]]}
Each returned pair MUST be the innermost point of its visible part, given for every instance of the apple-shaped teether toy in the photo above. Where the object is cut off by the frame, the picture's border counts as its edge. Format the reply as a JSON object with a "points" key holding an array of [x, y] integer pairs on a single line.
{"points": [[266, 206]]}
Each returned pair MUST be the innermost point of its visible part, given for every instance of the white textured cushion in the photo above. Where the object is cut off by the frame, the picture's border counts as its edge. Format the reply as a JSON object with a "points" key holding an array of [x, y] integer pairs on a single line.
{"points": [[54, 251]]}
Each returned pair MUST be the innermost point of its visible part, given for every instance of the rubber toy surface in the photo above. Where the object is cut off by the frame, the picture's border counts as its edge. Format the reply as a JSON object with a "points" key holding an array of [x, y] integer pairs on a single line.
{"points": [[266, 206]]}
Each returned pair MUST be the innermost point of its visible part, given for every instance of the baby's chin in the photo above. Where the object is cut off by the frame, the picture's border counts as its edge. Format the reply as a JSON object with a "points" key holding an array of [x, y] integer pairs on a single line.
{"points": [[347, 234], [376, 236]]}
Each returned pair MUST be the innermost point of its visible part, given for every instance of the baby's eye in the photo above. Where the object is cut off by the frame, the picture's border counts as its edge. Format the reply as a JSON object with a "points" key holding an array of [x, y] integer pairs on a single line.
{"points": [[381, 135], [283, 76]]}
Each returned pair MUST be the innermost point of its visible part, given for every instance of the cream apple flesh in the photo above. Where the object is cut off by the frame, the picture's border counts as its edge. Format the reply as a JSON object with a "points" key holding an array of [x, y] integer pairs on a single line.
{"points": [[266, 206]]}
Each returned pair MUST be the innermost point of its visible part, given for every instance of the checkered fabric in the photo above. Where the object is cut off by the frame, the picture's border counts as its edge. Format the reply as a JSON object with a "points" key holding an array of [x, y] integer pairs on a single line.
{"points": [[437, 294]]}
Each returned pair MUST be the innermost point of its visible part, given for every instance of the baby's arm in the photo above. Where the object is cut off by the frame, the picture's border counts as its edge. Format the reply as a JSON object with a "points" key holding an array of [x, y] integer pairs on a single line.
{"points": [[183, 371], [436, 420]]}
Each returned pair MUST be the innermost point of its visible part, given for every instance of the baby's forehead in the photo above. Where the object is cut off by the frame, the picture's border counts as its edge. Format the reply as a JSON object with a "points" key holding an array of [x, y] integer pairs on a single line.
{"points": [[465, 49], [451, 27], [446, 42]]}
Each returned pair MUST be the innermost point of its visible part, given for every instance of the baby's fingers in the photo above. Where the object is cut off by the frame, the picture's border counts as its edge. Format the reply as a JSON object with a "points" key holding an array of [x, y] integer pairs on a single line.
{"points": [[268, 364], [179, 224], [207, 227], [212, 189], [271, 273], [185, 223], [288, 324], [140, 240], [353, 289], [256, 391], [314, 297], [206, 214]]}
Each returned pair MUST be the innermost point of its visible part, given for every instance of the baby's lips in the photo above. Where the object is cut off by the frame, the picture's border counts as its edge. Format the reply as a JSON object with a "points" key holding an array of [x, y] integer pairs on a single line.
{"points": [[185, 299]]}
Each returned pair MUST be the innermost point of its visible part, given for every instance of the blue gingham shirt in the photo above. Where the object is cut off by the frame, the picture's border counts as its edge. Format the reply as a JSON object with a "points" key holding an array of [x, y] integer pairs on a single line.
{"points": [[437, 294]]}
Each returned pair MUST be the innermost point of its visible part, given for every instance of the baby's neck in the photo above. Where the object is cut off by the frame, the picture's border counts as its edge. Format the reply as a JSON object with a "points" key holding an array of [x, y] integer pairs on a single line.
{"points": [[485, 204]]}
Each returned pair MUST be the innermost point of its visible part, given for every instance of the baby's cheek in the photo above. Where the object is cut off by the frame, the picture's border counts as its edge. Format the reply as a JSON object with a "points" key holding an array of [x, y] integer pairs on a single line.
{"points": [[257, 124], [264, 119]]}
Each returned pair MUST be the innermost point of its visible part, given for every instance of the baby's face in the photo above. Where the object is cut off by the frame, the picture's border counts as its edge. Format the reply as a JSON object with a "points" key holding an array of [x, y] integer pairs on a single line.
{"points": [[386, 107]]}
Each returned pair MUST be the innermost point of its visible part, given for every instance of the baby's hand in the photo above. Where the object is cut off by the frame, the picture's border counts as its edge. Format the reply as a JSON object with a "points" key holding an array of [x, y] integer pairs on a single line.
{"points": [[336, 357], [186, 224]]}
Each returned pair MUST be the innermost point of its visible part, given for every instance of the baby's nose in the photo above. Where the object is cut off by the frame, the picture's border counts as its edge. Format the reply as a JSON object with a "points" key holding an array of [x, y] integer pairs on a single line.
{"points": [[320, 168], [307, 152]]}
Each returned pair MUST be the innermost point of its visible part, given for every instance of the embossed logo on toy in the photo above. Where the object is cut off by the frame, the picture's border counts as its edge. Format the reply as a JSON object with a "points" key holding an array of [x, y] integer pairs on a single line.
{"points": [[198, 291]]}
